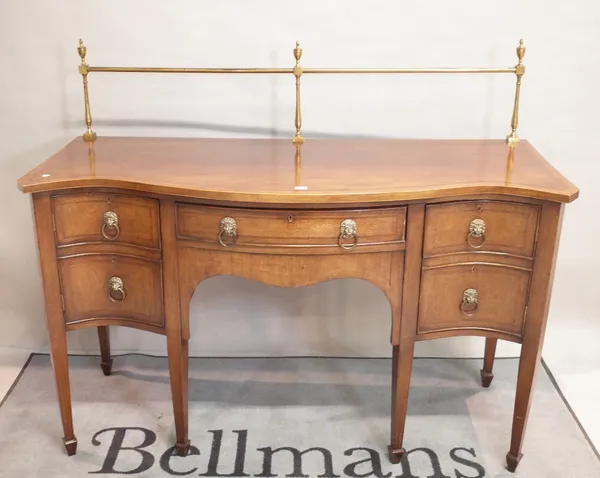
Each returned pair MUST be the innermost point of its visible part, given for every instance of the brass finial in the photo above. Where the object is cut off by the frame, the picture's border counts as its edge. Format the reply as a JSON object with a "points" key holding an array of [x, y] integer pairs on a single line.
{"points": [[297, 52], [520, 51], [81, 49]]}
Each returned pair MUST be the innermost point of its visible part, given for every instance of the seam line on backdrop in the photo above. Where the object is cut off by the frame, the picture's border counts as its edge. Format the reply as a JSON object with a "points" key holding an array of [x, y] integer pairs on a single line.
{"points": [[571, 411], [274, 357], [16, 381]]}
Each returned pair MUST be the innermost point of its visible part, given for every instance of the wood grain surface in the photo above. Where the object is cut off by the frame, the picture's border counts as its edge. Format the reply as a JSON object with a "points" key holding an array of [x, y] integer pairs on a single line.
{"points": [[413, 202], [335, 171]]}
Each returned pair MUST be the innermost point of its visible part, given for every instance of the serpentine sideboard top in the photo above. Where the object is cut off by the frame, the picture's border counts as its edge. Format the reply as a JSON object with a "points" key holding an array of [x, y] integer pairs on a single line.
{"points": [[273, 171]]}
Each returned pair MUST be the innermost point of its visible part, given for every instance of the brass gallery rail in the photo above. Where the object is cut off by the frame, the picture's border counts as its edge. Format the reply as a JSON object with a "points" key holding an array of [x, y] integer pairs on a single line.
{"points": [[298, 71]]}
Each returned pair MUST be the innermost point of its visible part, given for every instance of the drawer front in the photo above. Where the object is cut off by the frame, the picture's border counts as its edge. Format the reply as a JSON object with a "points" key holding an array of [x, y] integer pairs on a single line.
{"points": [[249, 227], [473, 296], [110, 286], [488, 226], [89, 218]]}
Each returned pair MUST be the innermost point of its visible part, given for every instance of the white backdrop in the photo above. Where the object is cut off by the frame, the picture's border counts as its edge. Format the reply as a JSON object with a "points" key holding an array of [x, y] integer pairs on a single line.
{"points": [[42, 108]]}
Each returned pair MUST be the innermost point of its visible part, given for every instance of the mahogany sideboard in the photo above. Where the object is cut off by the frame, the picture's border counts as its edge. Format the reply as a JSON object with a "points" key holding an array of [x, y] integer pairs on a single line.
{"points": [[460, 235]]}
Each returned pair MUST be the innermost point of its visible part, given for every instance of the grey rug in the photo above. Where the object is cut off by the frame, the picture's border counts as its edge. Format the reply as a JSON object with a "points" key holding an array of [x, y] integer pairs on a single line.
{"points": [[296, 417]]}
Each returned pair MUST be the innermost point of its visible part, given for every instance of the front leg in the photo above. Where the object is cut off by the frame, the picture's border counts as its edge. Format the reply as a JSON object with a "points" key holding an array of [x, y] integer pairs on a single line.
{"points": [[535, 325], [405, 323], [60, 365], [178, 368], [176, 327], [57, 333], [402, 360]]}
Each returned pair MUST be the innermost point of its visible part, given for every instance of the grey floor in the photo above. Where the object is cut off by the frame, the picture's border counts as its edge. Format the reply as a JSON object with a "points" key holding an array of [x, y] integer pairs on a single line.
{"points": [[338, 405]]}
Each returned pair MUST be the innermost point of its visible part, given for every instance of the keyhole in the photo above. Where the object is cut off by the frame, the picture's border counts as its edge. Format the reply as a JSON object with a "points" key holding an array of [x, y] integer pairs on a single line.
{"points": [[109, 200], [290, 218], [479, 207], [472, 269]]}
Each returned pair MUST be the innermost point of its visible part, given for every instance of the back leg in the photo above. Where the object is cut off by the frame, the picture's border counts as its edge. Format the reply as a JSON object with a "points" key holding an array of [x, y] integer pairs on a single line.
{"points": [[104, 339], [488, 362]]}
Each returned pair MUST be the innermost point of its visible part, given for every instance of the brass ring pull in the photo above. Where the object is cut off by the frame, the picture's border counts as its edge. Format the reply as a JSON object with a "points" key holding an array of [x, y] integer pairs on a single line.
{"points": [[469, 304], [110, 222], [116, 290], [229, 229], [476, 230], [348, 229]]}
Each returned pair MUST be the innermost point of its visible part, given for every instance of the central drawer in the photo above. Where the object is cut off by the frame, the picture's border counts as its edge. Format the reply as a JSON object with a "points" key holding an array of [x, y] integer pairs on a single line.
{"points": [[343, 229]]}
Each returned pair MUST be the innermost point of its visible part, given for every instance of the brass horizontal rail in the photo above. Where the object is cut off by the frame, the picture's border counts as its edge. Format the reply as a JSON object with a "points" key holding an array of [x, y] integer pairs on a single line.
{"points": [[135, 69], [147, 69], [298, 71], [408, 70]]}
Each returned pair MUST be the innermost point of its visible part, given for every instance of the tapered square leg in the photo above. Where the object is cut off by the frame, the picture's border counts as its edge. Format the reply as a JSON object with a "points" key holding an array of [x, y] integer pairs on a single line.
{"points": [[105, 358], [527, 371], [58, 353], [404, 321], [402, 359], [488, 362], [57, 334], [535, 325], [176, 328], [178, 367]]}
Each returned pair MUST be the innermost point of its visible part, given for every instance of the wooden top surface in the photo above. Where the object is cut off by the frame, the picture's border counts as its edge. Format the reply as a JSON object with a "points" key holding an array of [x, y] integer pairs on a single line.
{"points": [[332, 171]]}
